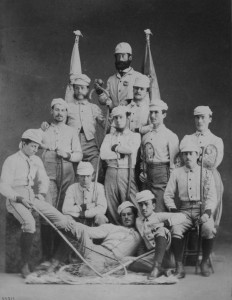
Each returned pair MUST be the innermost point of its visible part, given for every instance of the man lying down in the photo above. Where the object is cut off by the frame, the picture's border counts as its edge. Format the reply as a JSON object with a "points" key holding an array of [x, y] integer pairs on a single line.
{"points": [[118, 244]]}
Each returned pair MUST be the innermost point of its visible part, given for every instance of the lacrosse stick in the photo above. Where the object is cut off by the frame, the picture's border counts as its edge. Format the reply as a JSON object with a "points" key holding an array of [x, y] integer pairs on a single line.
{"points": [[208, 162]]}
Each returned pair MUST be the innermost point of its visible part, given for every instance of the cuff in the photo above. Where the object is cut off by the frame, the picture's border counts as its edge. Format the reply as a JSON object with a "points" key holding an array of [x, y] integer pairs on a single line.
{"points": [[69, 156]]}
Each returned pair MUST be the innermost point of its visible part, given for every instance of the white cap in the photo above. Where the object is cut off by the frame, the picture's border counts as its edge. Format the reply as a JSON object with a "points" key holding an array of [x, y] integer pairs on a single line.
{"points": [[158, 104], [142, 81], [35, 135], [124, 205], [59, 101], [85, 168], [123, 48], [119, 110], [144, 196], [80, 79], [202, 110], [189, 145]]}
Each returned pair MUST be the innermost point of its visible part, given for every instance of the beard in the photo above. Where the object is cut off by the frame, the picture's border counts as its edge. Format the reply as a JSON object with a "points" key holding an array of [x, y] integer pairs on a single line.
{"points": [[122, 65]]}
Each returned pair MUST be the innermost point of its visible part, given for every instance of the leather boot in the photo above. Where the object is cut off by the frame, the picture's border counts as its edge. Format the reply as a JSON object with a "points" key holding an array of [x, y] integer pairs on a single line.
{"points": [[207, 246], [156, 271], [26, 244], [180, 272]]}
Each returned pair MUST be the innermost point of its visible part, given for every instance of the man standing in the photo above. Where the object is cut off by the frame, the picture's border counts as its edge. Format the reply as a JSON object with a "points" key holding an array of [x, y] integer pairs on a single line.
{"points": [[203, 137], [186, 182], [139, 107], [61, 150], [120, 85], [154, 229], [159, 148], [85, 201], [119, 150], [19, 173]]}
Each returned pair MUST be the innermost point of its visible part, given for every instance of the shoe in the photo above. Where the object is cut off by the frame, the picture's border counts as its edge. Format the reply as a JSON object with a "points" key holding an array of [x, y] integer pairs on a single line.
{"points": [[156, 271], [54, 266], [25, 271], [180, 272], [205, 269]]}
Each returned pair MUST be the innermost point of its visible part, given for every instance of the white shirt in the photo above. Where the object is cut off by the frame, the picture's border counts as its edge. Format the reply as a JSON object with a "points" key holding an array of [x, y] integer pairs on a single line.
{"points": [[18, 170], [139, 114], [83, 114], [163, 146], [126, 138], [63, 137], [121, 88], [206, 138], [77, 195], [187, 183]]}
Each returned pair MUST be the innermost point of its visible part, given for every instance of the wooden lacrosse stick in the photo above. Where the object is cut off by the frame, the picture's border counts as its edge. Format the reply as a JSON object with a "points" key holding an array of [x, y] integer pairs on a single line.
{"points": [[66, 240], [118, 268], [208, 162]]}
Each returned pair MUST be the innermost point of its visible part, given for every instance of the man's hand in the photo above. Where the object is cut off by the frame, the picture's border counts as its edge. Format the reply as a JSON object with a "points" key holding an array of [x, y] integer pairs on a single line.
{"points": [[143, 177], [23, 201], [69, 223], [63, 154], [109, 103], [204, 218], [156, 226], [44, 126]]}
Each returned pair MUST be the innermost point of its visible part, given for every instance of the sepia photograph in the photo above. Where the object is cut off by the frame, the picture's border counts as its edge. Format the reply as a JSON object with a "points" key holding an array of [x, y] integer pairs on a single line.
{"points": [[115, 161]]}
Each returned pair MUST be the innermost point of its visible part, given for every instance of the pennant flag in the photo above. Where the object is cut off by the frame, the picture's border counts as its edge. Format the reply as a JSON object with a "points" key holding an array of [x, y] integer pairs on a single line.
{"points": [[149, 69], [75, 66]]}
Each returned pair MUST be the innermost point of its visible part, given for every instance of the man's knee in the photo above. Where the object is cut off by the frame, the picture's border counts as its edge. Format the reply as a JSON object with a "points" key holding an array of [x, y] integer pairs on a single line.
{"points": [[100, 219], [208, 230], [177, 232], [29, 225]]}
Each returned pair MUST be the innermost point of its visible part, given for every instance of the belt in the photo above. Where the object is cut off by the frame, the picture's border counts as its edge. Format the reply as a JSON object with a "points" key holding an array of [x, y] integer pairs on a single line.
{"points": [[194, 202], [154, 164]]}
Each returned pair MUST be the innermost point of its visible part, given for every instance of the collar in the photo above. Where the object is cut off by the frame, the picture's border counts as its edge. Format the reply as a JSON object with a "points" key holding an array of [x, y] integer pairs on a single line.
{"points": [[82, 189], [138, 104], [127, 71], [148, 218], [81, 102], [125, 132], [160, 128], [24, 156], [198, 133], [194, 170]]}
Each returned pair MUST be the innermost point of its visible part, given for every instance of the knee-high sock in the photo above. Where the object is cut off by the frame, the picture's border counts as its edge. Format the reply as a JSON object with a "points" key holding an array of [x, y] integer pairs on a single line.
{"points": [[160, 247], [207, 246], [177, 247], [26, 244]]}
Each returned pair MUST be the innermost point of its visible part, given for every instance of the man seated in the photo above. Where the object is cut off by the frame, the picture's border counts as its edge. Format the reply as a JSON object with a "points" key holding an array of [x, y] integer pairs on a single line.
{"points": [[118, 241], [186, 181], [154, 229], [85, 201]]}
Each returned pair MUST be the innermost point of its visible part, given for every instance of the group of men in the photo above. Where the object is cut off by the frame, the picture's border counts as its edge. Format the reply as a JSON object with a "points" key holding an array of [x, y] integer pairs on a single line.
{"points": [[138, 147]]}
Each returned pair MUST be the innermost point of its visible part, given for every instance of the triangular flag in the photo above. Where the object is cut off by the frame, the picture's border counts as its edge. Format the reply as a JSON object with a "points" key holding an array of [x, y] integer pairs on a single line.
{"points": [[149, 69], [75, 66]]}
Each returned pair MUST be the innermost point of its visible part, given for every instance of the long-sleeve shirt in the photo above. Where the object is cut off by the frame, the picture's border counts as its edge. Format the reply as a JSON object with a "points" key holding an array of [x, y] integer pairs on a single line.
{"points": [[122, 241], [160, 145], [139, 114], [128, 139], [120, 88], [63, 137], [77, 195], [187, 182], [206, 138], [83, 115], [145, 225], [18, 171]]}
